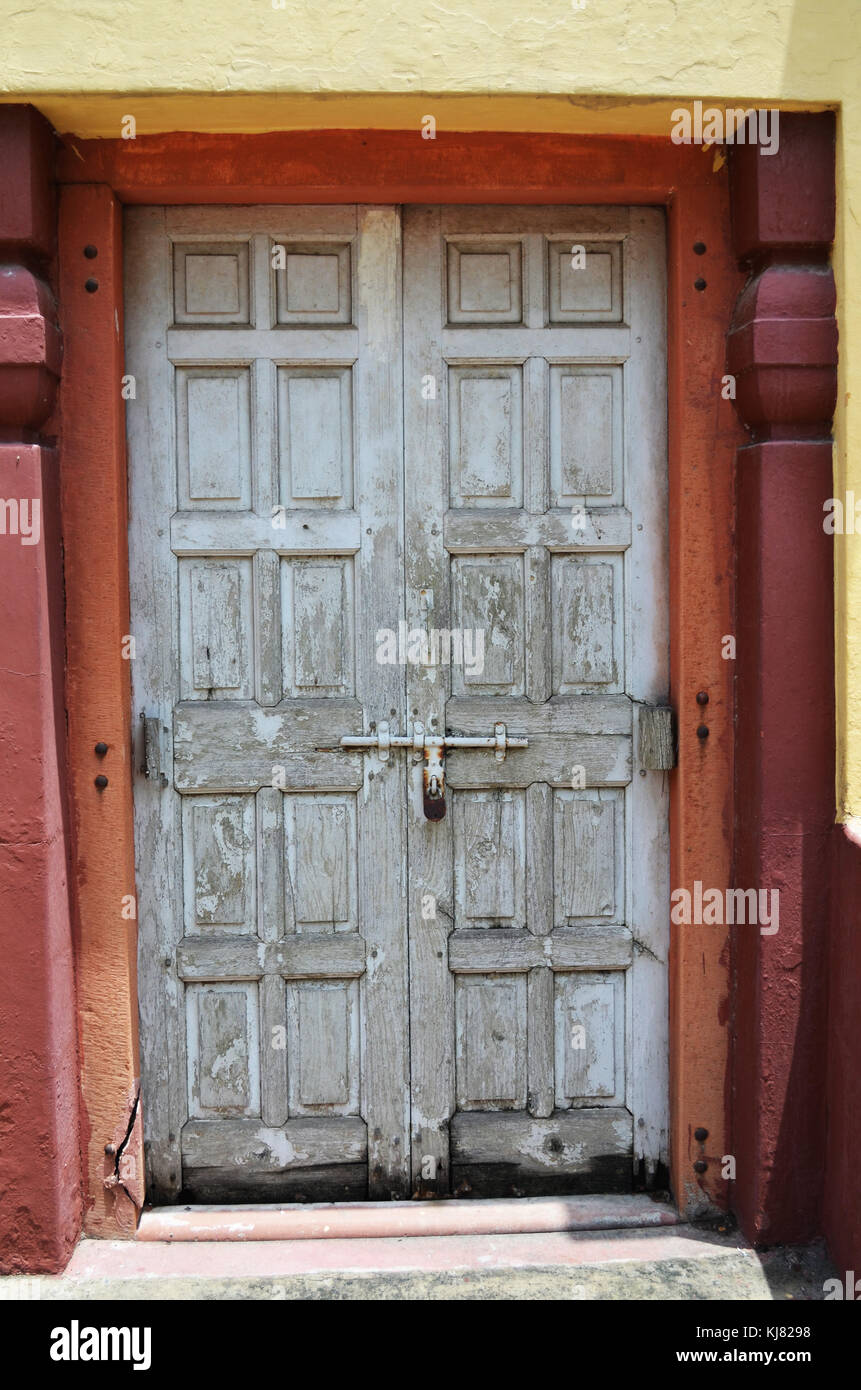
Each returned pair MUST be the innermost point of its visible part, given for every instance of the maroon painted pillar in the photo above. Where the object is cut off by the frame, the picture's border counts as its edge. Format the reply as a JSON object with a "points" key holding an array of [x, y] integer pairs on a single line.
{"points": [[782, 351], [40, 1185]]}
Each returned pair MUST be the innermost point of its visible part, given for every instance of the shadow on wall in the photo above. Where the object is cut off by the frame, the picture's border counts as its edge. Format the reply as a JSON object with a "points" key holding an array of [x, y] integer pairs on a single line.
{"points": [[842, 1196]]}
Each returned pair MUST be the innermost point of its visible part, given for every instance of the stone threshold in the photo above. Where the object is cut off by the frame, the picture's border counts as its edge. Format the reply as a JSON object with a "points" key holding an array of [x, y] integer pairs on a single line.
{"points": [[397, 1220]]}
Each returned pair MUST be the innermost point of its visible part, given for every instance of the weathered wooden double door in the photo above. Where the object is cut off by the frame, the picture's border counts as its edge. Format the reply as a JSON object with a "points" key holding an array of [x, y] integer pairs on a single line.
{"points": [[396, 470]]}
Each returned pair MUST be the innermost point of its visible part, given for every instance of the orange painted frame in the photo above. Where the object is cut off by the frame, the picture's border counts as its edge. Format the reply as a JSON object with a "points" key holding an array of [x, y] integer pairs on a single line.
{"points": [[392, 167]]}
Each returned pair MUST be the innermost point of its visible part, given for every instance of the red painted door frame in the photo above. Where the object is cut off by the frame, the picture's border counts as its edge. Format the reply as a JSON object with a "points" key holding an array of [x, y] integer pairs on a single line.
{"points": [[327, 167]]}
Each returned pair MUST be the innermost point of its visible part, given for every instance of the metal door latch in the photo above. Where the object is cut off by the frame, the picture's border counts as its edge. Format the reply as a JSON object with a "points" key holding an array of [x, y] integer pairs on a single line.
{"points": [[433, 781], [432, 749]]}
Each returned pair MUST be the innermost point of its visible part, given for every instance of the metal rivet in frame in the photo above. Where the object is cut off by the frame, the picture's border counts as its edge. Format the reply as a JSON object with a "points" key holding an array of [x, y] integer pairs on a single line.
{"points": [[699, 283], [91, 252], [101, 781], [702, 731], [91, 286]]}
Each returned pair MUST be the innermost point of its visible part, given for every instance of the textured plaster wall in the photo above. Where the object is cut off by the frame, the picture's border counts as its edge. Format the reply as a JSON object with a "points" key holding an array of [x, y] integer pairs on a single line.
{"points": [[612, 65], [636, 47]]}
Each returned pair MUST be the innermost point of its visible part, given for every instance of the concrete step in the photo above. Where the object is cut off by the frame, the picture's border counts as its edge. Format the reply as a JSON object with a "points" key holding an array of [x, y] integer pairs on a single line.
{"points": [[680, 1262]]}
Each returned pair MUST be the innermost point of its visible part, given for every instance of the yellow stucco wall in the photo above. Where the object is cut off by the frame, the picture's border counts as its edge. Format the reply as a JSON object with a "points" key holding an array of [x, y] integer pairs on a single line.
{"points": [[597, 65]]}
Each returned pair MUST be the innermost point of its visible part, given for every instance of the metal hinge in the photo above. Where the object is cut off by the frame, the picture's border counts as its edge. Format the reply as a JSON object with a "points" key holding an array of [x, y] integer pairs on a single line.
{"points": [[152, 750]]}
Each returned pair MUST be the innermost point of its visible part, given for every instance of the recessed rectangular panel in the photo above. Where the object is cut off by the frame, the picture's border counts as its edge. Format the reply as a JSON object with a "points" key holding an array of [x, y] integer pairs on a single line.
{"points": [[320, 835], [312, 283], [586, 454], [490, 1012], [210, 283], [489, 609], [587, 619], [219, 854], [486, 436], [213, 438], [315, 436], [215, 626], [318, 626], [323, 1047], [589, 1027], [585, 280], [588, 835], [484, 281], [223, 1050], [490, 855], [216, 629]]}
